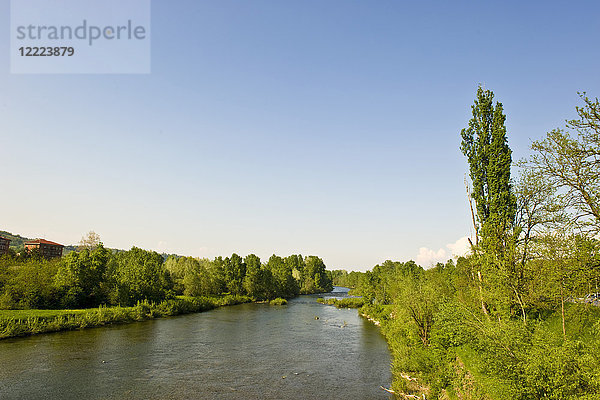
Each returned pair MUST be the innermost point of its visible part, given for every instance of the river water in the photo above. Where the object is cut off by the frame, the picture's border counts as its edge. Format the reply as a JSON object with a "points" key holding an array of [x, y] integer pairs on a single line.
{"points": [[248, 351]]}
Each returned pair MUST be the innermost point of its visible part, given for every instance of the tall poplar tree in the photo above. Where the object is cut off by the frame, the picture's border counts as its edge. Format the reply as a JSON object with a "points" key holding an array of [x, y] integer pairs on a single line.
{"points": [[485, 145]]}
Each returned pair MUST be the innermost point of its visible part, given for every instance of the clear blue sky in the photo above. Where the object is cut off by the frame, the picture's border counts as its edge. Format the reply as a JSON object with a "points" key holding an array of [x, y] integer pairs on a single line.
{"points": [[315, 127]]}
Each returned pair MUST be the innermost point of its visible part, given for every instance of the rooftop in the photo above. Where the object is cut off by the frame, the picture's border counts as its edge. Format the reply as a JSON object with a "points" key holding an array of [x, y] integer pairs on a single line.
{"points": [[43, 241]]}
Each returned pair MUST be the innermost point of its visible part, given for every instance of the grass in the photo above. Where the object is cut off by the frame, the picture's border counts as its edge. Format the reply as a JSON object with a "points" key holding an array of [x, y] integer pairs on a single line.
{"points": [[42, 314], [580, 320], [15, 323]]}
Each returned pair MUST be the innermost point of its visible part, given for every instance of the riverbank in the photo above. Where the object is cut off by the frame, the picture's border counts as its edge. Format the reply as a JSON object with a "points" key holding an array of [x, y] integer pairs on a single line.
{"points": [[404, 386], [465, 369], [18, 323], [410, 384]]}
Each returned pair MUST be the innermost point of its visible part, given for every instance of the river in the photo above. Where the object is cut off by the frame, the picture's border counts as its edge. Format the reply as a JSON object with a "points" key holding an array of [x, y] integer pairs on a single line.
{"points": [[248, 351]]}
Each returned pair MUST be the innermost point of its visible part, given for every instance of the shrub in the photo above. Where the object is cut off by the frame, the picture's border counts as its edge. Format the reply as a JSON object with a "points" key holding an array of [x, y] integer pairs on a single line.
{"points": [[278, 302]]}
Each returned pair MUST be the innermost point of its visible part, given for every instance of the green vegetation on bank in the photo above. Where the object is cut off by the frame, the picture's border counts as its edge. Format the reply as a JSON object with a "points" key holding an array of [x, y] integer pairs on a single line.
{"points": [[138, 284], [15, 323], [344, 278], [348, 302], [440, 341], [511, 319], [96, 276], [284, 277], [278, 302]]}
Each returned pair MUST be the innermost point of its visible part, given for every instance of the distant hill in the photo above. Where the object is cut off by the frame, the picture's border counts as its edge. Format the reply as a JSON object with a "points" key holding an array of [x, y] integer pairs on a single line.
{"points": [[16, 241]]}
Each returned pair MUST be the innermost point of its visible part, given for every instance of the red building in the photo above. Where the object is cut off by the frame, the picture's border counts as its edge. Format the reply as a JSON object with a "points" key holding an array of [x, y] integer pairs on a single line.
{"points": [[46, 248], [4, 243]]}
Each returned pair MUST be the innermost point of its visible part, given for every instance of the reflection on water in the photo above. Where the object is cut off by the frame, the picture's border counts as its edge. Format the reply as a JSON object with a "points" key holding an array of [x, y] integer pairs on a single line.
{"points": [[249, 351]]}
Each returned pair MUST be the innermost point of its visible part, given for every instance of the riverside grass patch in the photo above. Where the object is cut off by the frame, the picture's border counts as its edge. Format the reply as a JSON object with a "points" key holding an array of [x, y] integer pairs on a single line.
{"points": [[16, 323]]}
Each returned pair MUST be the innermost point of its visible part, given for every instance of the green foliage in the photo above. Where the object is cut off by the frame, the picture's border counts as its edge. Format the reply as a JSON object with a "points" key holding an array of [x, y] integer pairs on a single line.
{"points": [[568, 160], [344, 278], [28, 284], [348, 302], [139, 274], [177, 270], [279, 277], [198, 280], [485, 145], [296, 264], [80, 277], [285, 284], [442, 342], [381, 285], [29, 322], [558, 369], [258, 282], [316, 279], [278, 302], [94, 275], [192, 277], [234, 272]]}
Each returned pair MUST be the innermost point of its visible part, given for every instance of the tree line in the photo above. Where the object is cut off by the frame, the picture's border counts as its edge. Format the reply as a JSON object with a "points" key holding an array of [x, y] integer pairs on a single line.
{"points": [[95, 275], [511, 320]]}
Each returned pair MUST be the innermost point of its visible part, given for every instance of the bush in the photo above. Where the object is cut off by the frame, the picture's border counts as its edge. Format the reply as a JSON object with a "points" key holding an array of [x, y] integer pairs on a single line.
{"points": [[278, 302]]}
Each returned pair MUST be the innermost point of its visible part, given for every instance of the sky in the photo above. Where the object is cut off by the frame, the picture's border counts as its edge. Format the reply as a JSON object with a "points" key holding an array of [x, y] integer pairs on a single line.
{"points": [[327, 128]]}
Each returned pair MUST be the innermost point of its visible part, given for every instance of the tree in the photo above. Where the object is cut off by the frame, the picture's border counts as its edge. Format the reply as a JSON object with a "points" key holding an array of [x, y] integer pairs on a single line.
{"points": [[485, 144], [196, 280], [572, 164], [80, 277], [421, 294], [139, 275], [216, 268], [190, 276], [538, 208], [283, 280], [90, 241], [177, 268], [296, 263], [258, 281], [30, 284], [235, 270], [314, 271], [252, 280]]}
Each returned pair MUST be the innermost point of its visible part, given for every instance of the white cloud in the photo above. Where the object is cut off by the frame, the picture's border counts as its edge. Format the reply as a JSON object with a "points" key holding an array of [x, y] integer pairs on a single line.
{"points": [[428, 257], [460, 248]]}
